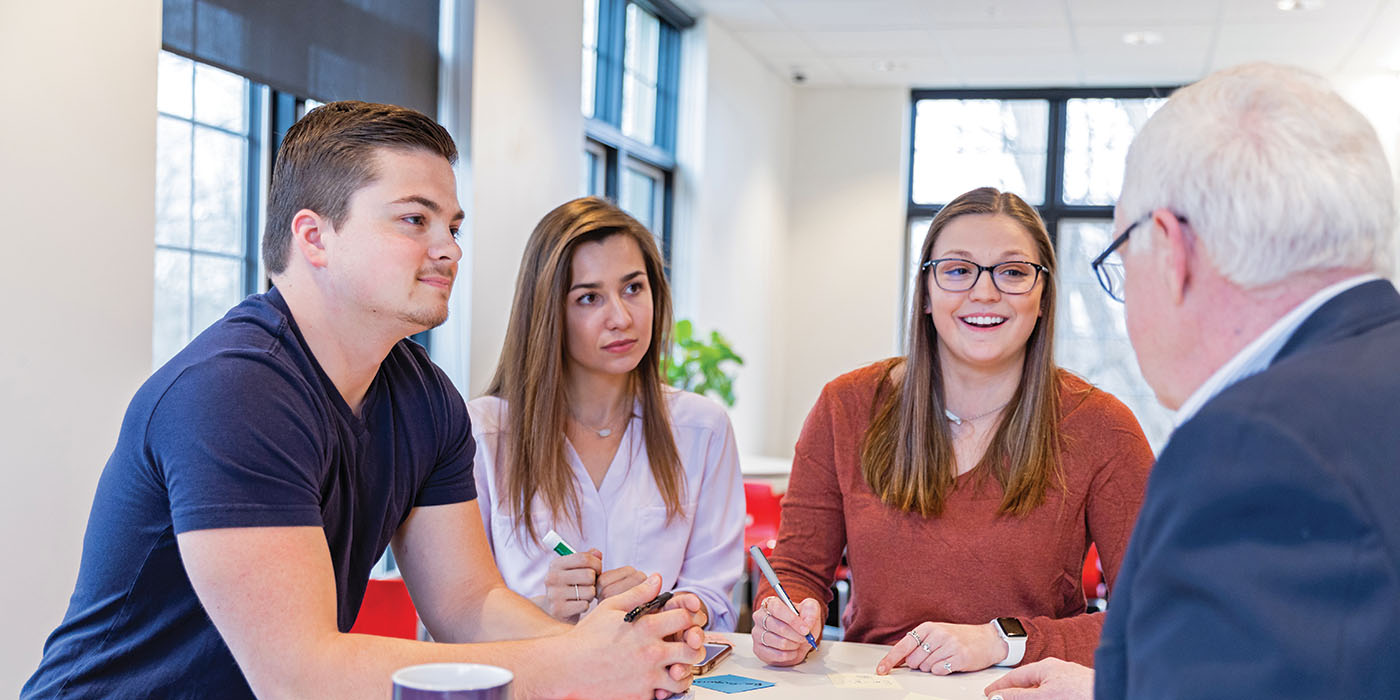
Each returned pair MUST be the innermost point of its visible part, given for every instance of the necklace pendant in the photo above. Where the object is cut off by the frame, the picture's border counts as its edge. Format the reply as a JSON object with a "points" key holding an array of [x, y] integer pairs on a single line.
{"points": [[604, 432]]}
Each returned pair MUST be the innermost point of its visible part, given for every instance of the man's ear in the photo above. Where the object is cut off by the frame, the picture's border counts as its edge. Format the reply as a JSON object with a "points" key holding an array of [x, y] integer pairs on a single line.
{"points": [[1178, 253], [309, 230]]}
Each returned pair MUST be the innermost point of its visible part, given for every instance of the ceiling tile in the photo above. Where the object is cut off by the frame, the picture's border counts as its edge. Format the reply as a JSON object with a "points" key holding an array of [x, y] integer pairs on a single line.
{"points": [[859, 14], [1032, 42], [1016, 39], [1320, 48], [1019, 69], [996, 12], [738, 14], [1331, 11], [903, 72], [872, 42], [1145, 12], [775, 43]]}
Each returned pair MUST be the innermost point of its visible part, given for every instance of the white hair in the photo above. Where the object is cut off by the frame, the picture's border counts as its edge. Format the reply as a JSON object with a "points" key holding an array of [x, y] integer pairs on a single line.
{"points": [[1275, 172]]}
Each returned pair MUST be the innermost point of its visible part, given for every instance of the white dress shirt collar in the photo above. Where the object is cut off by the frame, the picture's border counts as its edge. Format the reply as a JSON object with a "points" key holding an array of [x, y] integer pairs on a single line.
{"points": [[1260, 352]]}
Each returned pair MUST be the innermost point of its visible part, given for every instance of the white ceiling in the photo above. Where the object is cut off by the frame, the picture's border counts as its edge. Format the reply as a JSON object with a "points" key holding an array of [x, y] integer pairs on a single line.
{"points": [[1035, 43]]}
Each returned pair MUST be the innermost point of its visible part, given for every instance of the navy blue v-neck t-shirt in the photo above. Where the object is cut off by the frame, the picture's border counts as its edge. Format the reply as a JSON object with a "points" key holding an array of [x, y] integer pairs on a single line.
{"points": [[243, 429]]}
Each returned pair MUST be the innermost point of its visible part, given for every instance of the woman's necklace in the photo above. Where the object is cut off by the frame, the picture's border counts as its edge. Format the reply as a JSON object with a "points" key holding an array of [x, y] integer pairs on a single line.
{"points": [[602, 432], [959, 421]]}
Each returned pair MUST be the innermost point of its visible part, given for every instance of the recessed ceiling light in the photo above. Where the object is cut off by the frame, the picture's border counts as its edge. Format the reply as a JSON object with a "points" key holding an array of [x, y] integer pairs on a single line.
{"points": [[1296, 5], [1142, 38]]}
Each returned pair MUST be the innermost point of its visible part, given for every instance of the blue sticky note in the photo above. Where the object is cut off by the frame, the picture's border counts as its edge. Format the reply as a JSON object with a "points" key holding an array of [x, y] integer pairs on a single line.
{"points": [[730, 683]]}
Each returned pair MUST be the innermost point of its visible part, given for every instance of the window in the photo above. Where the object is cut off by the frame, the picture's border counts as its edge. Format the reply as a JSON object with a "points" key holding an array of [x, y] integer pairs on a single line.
{"points": [[631, 66], [215, 133], [207, 152], [1063, 152]]}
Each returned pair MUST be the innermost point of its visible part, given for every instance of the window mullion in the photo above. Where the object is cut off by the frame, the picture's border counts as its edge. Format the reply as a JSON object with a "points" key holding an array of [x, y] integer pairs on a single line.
{"points": [[667, 87], [612, 57], [252, 174], [1055, 163]]}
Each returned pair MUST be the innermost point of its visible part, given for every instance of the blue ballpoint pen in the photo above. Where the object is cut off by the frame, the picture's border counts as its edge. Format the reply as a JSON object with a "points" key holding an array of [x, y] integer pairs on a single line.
{"points": [[767, 570]]}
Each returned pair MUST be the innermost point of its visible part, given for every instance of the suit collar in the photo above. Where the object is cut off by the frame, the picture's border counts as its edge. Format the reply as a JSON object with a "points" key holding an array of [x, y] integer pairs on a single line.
{"points": [[1350, 313]]}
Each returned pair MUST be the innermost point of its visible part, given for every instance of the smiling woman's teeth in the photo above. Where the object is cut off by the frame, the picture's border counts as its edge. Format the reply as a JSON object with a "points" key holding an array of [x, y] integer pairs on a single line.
{"points": [[985, 320]]}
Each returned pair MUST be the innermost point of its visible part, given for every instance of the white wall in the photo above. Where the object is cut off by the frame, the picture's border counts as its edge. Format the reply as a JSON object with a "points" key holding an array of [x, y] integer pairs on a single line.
{"points": [[1377, 95], [77, 207], [845, 245], [732, 219], [526, 150]]}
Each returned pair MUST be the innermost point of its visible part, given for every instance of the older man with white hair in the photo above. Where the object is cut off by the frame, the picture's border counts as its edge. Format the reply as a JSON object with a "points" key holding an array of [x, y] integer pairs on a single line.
{"points": [[1257, 210]]}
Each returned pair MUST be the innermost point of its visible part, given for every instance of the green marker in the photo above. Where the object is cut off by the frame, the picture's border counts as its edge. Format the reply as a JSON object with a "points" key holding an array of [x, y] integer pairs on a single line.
{"points": [[553, 541]]}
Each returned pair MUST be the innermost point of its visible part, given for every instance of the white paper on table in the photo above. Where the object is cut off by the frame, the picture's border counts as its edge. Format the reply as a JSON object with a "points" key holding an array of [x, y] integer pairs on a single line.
{"points": [[861, 680]]}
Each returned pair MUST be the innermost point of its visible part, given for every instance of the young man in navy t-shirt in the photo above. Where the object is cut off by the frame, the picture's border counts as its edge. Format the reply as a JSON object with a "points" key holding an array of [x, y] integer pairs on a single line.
{"points": [[262, 471]]}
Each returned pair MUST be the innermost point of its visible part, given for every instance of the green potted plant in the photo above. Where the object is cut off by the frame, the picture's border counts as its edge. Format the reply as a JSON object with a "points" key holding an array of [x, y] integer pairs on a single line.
{"points": [[697, 365]]}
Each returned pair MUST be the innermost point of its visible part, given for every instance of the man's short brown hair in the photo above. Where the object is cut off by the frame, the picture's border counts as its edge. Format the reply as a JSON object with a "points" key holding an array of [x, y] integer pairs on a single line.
{"points": [[329, 154]]}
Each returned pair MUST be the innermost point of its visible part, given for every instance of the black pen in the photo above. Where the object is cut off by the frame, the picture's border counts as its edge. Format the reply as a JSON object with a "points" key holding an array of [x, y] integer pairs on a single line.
{"points": [[648, 607]]}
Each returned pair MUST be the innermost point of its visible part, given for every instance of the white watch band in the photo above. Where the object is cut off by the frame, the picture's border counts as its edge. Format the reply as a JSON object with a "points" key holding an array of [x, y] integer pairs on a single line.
{"points": [[1015, 646]]}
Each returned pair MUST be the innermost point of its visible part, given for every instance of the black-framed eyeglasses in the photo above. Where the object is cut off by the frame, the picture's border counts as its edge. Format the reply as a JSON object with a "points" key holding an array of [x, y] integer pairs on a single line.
{"points": [[1108, 267], [959, 275]]}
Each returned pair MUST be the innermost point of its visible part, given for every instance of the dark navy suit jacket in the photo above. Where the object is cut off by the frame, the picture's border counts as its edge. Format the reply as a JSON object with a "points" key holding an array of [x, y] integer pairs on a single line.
{"points": [[1266, 559]]}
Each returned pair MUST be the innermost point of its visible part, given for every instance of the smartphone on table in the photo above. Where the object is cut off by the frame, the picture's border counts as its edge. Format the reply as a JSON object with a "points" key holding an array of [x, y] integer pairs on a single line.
{"points": [[714, 653]]}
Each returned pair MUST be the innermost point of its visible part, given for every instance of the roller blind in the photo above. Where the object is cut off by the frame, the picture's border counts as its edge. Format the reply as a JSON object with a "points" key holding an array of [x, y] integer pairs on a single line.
{"points": [[374, 50]]}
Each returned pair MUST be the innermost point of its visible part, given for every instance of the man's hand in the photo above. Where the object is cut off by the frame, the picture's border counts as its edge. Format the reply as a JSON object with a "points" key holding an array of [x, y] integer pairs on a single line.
{"points": [[612, 658], [941, 648], [693, 636], [615, 581], [1047, 679], [691, 603], [571, 584], [779, 637]]}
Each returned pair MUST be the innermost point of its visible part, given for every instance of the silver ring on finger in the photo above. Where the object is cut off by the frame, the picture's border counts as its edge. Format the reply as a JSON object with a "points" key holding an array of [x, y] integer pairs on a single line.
{"points": [[924, 646], [948, 666], [766, 618], [763, 639], [918, 640], [577, 595]]}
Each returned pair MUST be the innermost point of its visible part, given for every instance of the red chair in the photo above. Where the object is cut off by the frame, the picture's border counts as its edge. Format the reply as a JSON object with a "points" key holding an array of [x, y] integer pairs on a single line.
{"points": [[387, 610], [764, 511], [1095, 589]]}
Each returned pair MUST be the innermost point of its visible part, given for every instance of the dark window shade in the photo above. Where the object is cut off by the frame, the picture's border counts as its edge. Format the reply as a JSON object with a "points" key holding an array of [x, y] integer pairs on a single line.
{"points": [[373, 50]]}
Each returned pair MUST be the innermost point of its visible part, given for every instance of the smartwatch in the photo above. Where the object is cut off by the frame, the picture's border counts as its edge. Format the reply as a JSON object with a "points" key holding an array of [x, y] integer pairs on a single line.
{"points": [[1014, 634]]}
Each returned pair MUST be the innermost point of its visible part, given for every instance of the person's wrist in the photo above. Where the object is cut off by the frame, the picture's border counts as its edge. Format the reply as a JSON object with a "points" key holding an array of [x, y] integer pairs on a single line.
{"points": [[1013, 635], [999, 648]]}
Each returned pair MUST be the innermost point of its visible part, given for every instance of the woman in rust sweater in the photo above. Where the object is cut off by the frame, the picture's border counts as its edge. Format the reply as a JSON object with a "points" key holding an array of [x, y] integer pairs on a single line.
{"points": [[964, 481]]}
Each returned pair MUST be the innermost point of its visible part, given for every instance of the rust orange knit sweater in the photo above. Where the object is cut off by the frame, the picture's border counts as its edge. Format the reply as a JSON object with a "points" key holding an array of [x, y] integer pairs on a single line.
{"points": [[968, 565]]}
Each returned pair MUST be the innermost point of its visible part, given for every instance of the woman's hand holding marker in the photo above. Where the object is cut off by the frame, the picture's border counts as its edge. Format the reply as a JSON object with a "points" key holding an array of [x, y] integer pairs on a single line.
{"points": [[571, 583]]}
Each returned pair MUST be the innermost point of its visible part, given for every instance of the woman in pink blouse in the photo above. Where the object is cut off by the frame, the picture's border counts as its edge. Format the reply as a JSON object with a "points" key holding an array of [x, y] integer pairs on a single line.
{"points": [[579, 434]]}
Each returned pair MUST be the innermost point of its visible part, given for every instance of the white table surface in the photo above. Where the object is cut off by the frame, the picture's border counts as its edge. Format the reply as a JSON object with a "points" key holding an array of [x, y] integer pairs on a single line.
{"points": [[808, 680]]}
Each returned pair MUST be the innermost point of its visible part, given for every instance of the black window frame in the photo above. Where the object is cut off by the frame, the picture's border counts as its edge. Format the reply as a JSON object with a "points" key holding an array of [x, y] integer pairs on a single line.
{"points": [[1054, 209], [603, 131]]}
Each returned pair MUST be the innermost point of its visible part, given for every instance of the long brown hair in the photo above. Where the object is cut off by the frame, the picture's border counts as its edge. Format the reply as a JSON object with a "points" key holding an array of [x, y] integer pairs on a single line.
{"points": [[907, 453], [530, 374]]}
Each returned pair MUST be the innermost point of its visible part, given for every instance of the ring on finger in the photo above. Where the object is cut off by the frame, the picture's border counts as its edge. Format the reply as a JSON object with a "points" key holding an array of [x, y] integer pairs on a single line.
{"points": [[577, 595], [948, 666], [917, 639], [763, 639], [924, 646]]}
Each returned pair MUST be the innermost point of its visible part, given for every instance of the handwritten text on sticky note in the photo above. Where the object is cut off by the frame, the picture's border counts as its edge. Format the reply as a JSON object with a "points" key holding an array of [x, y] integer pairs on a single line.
{"points": [[861, 680]]}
